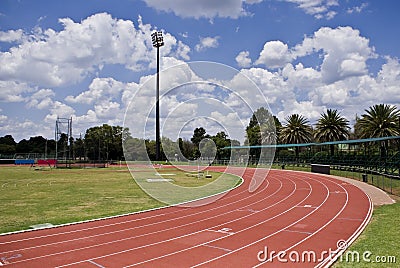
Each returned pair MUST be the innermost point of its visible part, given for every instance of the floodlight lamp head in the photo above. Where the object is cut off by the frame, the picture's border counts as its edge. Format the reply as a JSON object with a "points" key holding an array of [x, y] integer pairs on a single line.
{"points": [[157, 39]]}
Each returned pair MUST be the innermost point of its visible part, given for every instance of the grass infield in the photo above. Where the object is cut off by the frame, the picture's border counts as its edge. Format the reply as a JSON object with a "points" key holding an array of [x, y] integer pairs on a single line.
{"points": [[57, 196]]}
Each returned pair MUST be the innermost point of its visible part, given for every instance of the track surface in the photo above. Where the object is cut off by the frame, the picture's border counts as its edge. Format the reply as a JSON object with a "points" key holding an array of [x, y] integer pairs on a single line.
{"points": [[303, 215]]}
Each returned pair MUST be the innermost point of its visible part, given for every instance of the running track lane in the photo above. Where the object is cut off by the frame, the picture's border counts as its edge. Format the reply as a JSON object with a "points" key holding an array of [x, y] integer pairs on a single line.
{"points": [[292, 212]]}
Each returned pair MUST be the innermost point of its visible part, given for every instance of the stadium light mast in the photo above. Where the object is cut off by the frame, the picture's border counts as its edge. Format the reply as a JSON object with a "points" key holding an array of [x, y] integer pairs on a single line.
{"points": [[157, 40]]}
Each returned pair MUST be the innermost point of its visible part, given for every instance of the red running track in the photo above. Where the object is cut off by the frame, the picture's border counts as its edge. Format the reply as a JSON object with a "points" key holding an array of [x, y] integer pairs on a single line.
{"points": [[305, 217]]}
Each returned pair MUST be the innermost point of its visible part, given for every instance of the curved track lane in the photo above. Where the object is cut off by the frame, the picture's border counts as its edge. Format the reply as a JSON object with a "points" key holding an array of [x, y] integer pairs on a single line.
{"points": [[303, 216]]}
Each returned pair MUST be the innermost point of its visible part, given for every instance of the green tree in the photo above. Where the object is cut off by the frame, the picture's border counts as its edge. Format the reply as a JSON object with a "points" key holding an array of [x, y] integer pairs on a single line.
{"points": [[221, 141], [104, 142], [186, 147], [79, 148], [198, 135], [7, 145], [380, 120], [296, 130], [331, 126], [261, 130]]}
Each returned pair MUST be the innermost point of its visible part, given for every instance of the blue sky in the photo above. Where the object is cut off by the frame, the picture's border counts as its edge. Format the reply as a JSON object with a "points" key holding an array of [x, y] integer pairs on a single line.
{"points": [[91, 60]]}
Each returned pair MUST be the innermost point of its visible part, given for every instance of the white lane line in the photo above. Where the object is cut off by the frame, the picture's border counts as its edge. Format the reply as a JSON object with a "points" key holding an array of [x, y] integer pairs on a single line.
{"points": [[317, 231], [96, 264], [151, 224], [219, 225], [159, 231], [245, 229], [300, 232], [329, 261], [107, 218], [350, 219], [224, 249], [270, 235]]}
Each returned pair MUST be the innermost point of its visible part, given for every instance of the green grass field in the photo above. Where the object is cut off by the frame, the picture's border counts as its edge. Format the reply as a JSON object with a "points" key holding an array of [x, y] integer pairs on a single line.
{"points": [[29, 197]]}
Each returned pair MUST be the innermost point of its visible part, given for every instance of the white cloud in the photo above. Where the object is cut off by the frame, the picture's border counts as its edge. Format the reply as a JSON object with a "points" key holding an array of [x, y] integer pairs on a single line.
{"points": [[357, 9], [11, 36], [41, 99], [99, 89], [344, 51], [275, 54], [306, 108], [318, 8], [55, 58], [207, 42], [243, 59], [11, 91], [25, 129], [301, 77], [202, 9]]}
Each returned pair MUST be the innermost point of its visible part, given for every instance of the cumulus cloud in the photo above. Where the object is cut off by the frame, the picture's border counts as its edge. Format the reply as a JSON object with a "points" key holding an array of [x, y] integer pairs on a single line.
{"points": [[99, 88], [11, 91], [357, 9], [243, 59], [41, 99], [11, 36], [207, 42], [275, 54], [202, 9], [318, 8], [345, 52], [55, 58]]}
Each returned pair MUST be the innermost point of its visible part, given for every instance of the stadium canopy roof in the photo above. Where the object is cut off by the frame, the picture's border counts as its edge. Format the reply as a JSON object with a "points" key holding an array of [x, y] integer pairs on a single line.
{"points": [[314, 143]]}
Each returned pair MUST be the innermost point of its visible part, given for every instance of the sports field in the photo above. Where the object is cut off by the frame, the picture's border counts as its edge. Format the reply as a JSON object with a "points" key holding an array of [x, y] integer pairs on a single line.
{"points": [[30, 197], [304, 206]]}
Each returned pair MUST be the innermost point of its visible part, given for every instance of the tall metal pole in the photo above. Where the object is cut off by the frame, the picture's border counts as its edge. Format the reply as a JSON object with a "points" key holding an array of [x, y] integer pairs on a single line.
{"points": [[158, 42], [158, 106]]}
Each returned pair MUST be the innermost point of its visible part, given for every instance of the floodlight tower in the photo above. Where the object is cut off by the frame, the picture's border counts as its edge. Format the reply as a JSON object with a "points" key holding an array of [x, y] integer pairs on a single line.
{"points": [[157, 40]]}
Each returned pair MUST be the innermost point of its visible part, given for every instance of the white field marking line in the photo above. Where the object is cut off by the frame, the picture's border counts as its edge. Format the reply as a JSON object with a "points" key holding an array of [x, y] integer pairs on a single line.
{"points": [[350, 219], [129, 238], [205, 243], [96, 264], [300, 232], [220, 231], [320, 229], [224, 249], [142, 226], [329, 261], [107, 218], [276, 232], [222, 224]]}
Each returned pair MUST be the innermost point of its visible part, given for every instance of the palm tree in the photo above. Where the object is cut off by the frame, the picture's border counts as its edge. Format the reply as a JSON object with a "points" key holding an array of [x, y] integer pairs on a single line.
{"points": [[381, 120], [296, 130], [331, 126]]}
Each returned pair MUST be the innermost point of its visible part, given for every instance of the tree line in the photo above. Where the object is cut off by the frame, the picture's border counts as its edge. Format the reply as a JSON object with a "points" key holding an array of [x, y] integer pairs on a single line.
{"points": [[106, 142], [377, 121]]}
